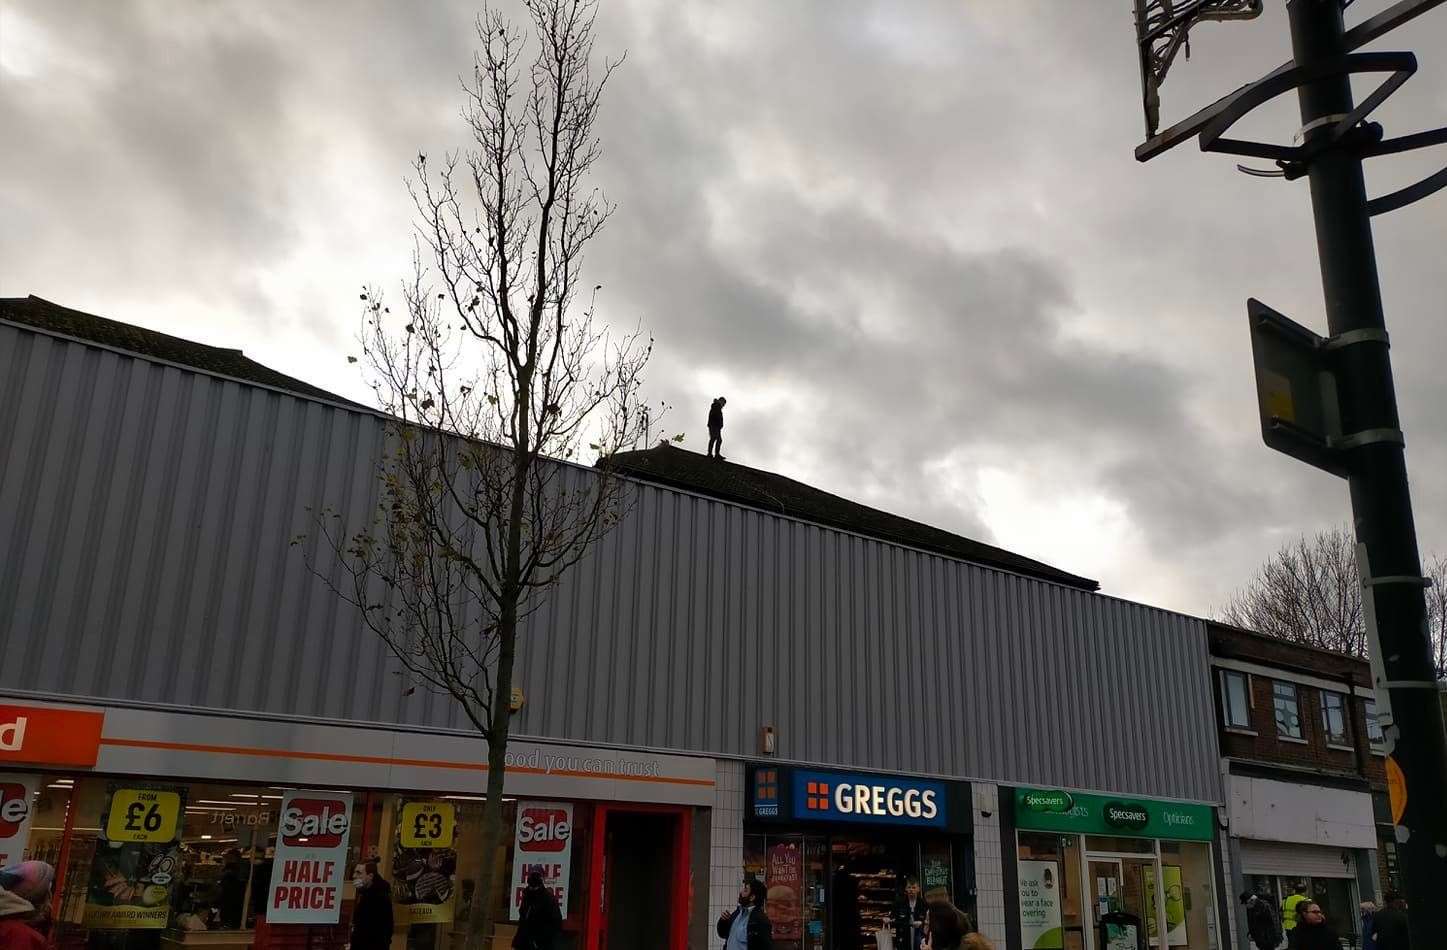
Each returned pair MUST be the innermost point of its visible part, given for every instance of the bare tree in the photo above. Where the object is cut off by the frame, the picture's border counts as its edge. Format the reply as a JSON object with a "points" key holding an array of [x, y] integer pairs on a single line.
{"points": [[1310, 592], [495, 371]]}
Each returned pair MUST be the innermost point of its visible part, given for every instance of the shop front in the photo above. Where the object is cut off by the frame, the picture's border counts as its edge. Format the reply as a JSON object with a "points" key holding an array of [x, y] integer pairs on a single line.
{"points": [[1096, 872], [837, 849], [172, 830]]}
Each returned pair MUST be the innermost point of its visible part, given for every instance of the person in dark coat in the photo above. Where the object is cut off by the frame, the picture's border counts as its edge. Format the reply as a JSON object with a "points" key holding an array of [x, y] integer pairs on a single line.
{"points": [[1261, 922], [540, 920], [1312, 930], [715, 428], [748, 927], [909, 917], [231, 903], [372, 922], [1389, 925]]}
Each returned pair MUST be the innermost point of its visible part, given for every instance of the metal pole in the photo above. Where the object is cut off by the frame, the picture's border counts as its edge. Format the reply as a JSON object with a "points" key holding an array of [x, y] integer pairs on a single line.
{"points": [[1381, 505]]}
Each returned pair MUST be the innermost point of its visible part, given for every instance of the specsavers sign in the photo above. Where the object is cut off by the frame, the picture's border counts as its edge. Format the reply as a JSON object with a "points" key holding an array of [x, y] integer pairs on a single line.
{"points": [[1078, 813], [868, 799]]}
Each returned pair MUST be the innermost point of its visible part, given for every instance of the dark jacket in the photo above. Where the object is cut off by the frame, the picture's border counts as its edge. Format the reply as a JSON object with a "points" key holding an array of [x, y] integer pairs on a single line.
{"points": [[760, 932], [232, 901], [1262, 925], [715, 415], [1390, 926], [372, 916], [904, 933], [539, 920], [1316, 937]]}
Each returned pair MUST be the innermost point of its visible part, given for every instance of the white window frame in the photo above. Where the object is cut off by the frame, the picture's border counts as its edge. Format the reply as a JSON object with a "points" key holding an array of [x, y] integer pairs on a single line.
{"points": [[1296, 700], [1343, 738], [1226, 709], [1378, 742]]}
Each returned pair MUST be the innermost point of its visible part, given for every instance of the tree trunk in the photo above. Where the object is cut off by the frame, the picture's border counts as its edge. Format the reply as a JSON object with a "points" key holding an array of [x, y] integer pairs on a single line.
{"points": [[480, 922]]}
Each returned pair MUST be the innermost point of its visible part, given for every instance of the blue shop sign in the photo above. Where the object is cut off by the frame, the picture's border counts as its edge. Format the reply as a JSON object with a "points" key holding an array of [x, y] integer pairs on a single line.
{"points": [[868, 799]]}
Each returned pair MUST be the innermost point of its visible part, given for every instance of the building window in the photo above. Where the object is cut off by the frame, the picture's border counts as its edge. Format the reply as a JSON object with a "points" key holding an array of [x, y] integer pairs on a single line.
{"points": [[1374, 728], [1288, 710], [1235, 700], [1334, 717]]}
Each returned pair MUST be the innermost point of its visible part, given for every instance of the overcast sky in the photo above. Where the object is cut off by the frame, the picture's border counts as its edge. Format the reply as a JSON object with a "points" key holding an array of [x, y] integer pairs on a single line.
{"points": [[907, 239]]}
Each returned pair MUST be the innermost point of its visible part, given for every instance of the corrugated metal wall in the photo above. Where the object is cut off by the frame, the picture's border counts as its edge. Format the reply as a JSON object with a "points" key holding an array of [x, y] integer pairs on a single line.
{"points": [[145, 516]]}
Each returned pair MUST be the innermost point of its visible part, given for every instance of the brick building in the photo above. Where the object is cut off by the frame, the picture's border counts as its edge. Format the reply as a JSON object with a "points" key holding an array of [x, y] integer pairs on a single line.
{"points": [[1303, 771]]}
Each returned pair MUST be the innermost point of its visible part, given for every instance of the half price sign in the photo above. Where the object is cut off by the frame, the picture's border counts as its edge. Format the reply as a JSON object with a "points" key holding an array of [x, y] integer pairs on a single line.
{"points": [[311, 856]]}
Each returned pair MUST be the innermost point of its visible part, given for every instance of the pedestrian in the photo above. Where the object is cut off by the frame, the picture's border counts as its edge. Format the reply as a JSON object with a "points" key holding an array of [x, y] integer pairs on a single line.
{"points": [[1289, 908], [1369, 913], [947, 927], [24, 903], [976, 941], [372, 922], [1312, 930], [909, 917], [748, 926], [715, 428], [1389, 925], [230, 905], [1261, 922], [540, 920]]}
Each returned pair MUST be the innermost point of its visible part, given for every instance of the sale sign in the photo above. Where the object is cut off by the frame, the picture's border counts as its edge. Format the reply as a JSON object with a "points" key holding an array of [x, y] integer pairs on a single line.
{"points": [[311, 858], [17, 804], [543, 844]]}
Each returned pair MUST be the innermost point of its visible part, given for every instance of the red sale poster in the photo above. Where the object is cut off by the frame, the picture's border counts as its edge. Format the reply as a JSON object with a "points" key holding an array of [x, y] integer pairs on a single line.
{"points": [[785, 881]]}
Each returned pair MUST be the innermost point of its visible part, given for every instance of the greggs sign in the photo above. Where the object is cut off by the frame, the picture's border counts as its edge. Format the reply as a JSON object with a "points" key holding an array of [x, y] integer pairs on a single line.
{"points": [[868, 799], [44, 735]]}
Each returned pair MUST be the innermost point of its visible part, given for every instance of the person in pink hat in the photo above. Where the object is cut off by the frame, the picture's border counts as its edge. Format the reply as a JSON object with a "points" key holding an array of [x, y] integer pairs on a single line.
{"points": [[24, 893]]}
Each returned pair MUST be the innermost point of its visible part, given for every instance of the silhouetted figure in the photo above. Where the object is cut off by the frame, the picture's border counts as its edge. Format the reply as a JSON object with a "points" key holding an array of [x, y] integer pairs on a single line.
{"points": [[715, 427], [1389, 925]]}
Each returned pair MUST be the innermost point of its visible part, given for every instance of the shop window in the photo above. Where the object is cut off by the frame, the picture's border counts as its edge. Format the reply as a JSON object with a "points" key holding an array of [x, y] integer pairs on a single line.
{"points": [[1235, 699], [1048, 875], [1287, 708], [1375, 736], [1334, 717], [1189, 883]]}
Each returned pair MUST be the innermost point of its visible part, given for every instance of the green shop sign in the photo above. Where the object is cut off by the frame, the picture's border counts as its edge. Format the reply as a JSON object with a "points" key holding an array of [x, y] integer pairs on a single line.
{"points": [[1076, 813]]}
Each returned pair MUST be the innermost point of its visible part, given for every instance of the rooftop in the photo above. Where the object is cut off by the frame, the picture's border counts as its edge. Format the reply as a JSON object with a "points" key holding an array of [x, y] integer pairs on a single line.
{"points": [[40, 314], [767, 491]]}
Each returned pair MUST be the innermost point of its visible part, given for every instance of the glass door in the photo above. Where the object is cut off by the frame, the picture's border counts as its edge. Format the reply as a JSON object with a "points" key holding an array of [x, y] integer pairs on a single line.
{"points": [[1125, 884]]}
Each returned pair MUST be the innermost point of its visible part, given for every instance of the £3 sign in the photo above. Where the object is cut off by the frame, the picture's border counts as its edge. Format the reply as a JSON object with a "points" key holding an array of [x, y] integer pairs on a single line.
{"points": [[311, 858]]}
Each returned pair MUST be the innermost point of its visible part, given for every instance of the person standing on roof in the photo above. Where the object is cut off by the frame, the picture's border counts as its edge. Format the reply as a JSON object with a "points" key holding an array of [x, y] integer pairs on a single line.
{"points": [[715, 428]]}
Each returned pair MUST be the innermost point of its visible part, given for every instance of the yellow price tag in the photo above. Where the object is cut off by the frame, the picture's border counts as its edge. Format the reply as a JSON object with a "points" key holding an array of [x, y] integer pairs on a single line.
{"points": [[143, 814], [428, 824]]}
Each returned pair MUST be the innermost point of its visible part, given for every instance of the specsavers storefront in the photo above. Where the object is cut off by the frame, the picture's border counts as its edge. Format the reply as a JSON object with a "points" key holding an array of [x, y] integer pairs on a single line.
{"points": [[176, 829], [1114, 873], [835, 850]]}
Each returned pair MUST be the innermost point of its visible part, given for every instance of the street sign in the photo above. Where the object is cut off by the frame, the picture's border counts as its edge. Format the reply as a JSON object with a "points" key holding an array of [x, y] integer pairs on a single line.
{"points": [[1295, 389]]}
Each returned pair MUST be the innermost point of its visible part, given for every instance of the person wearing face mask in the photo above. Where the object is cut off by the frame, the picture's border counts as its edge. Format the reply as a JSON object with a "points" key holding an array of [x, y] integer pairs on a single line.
{"points": [[24, 902], [372, 915]]}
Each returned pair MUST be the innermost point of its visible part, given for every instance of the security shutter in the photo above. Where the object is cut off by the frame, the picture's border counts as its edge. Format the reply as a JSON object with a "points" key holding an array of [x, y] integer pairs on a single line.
{"points": [[1300, 860]]}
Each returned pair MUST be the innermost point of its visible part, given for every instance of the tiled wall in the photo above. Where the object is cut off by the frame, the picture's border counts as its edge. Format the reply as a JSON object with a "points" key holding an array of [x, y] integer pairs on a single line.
{"points": [[726, 863], [1223, 847], [989, 872]]}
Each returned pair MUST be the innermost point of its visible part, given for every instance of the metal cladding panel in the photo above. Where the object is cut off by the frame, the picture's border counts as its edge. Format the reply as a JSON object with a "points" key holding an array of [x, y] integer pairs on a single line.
{"points": [[145, 519]]}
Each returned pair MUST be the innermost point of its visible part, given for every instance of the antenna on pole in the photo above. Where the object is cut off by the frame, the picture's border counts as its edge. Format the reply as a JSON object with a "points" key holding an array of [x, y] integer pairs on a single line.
{"points": [[1163, 28]]}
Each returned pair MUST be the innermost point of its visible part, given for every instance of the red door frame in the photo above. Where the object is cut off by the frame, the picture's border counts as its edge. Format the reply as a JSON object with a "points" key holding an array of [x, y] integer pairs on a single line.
{"points": [[680, 889]]}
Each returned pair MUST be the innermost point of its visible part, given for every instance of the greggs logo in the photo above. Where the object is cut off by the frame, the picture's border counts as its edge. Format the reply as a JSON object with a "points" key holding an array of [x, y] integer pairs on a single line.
{"points": [[41, 735], [835, 797]]}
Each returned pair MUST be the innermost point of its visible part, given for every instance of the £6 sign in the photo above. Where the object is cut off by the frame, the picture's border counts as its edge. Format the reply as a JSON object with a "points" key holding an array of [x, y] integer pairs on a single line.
{"points": [[543, 844], [311, 856]]}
